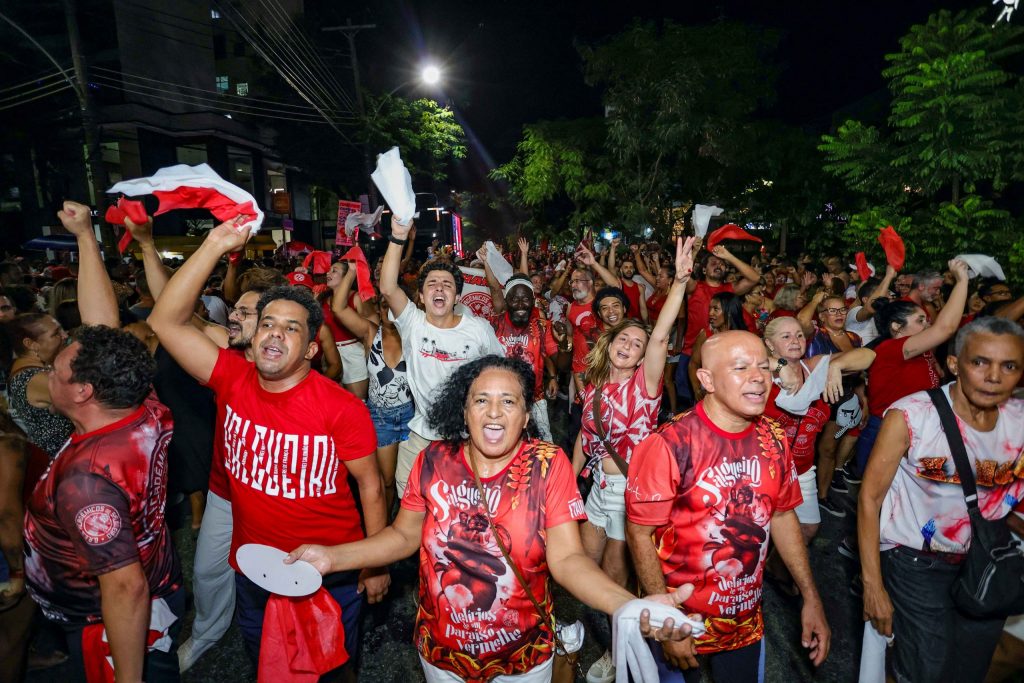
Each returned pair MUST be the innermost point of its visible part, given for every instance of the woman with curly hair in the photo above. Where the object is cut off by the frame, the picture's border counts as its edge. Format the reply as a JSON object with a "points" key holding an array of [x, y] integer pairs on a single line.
{"points": [[493, 514], [620, 407]]}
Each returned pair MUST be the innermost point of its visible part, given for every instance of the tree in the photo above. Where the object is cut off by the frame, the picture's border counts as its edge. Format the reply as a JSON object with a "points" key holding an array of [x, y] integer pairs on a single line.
{"points": [[952, 144], [427, 134]]}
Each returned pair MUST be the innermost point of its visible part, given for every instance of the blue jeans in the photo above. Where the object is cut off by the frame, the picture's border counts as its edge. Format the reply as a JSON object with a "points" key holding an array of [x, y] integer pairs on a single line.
{"points": [[933, 641], [250, 601], [745, 665], [866, 442]]}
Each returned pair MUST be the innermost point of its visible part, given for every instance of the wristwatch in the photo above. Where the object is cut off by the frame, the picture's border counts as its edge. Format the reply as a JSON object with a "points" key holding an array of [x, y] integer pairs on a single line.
{"points": [[782, 363], [395, 240]]}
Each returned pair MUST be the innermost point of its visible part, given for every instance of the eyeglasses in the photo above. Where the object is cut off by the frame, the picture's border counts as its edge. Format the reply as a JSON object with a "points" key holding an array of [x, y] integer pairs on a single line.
{"points": [[242, 313], [836, 311]]}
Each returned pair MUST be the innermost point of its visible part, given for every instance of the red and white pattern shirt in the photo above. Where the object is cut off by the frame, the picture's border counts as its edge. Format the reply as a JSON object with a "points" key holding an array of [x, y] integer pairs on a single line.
{"points": [[628, 415], [532, 343], [711, 494], [474, 617]]}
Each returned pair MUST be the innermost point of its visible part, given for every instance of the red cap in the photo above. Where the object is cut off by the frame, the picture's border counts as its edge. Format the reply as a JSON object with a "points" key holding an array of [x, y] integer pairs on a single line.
{"points": [[300, 279]]}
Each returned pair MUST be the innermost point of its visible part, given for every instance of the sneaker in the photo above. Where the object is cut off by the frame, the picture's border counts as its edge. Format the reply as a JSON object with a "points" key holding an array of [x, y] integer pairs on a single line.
{"points": [[602, 671], [850, 475], [186, 658], [839, 485], [847, 550], [831, 508]]}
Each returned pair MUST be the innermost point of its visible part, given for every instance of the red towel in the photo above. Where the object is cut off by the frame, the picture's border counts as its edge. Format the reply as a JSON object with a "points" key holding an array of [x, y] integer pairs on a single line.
{"points": [[117, 212], [302, 638], [221, 206], [363, 281], [729, 231], [317, 262], [892, 243], [862, 266]]}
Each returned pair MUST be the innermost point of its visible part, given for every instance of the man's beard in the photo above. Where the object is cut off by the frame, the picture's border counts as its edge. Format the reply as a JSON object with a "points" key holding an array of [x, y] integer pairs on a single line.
{"points": [[579, 295]]}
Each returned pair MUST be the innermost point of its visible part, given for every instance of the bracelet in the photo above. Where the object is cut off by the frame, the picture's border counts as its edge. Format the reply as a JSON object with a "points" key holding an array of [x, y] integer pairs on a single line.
{"points": [[395, 240]]}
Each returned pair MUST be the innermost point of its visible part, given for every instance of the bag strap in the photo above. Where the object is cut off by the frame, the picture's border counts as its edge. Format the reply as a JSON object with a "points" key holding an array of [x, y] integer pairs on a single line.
{"points": [[504, 552], [956, 447], [595, 410]]}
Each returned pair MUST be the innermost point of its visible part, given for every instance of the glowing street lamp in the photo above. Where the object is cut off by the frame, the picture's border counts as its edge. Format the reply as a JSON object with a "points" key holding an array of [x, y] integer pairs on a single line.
{"points": [[431, 75]]}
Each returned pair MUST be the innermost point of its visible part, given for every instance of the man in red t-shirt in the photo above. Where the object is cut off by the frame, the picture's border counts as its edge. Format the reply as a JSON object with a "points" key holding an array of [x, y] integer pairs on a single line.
{"points": [[99, 556], [524, 334], [926, 292], [291, 437], [703, 495], [698, 298]]}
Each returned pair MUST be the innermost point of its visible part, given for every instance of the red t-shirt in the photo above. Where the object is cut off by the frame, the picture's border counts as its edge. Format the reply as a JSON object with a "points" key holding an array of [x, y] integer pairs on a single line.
{"points": [[891, 376], [751, 322], [285, 453], [632, 292], [697, 310], [218, 474], [474, 618], [628, 415], [801, 430], [586, 328], [532, 343], [781, 313], [339, 331], [655, 302], [98, 508], [711, 494]]}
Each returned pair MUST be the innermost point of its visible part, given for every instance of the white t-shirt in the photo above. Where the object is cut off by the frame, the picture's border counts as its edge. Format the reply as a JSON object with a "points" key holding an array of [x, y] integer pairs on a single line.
{"points": [[924, 508], [432, 354], [866, 330]]}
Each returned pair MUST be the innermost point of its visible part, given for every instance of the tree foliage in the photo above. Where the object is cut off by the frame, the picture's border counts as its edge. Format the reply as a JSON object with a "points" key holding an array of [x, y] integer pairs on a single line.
{"points": [[952, 143], [428, 134]]}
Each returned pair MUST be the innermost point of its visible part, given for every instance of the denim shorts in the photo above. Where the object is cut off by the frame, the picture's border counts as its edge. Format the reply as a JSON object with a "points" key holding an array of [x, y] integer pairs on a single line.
{"points": [[392, 424]]}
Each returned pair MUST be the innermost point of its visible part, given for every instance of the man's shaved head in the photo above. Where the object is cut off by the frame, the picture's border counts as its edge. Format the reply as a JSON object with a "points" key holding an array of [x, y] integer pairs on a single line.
{"points": [[734, 373]]}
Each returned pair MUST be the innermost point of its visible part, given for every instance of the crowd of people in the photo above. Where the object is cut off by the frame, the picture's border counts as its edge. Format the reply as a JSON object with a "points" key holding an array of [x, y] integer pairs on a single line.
{"points": [[709, 409]]}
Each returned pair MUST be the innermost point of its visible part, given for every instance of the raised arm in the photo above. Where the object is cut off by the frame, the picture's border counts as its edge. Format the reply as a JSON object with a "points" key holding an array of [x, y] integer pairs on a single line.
{"points": [[409, 244], [391, 268], [497, 293], [97, 303], [346, 315], [749, 276], [524, 258], [947, 322], [156, 274], [171, 318], [587, 257], [657, 345], [805, 316], [332, 359], [641, 264], [867, 309], [1012, 311], [231, 292]]}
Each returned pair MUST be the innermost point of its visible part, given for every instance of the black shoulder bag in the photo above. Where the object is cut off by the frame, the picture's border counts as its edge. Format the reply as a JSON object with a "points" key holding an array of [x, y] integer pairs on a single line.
{"points": [[991, 580]]}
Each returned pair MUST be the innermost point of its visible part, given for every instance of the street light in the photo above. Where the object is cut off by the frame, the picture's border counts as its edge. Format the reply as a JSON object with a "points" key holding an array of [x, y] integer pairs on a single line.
{"points": [[431, 75]]}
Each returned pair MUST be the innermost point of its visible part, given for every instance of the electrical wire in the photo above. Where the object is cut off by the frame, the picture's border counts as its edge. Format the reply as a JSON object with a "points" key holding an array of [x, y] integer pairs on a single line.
{"points": [[303, 108], [35, 81], [186, 98], [60, 88], [20, 95], [213, 107]]}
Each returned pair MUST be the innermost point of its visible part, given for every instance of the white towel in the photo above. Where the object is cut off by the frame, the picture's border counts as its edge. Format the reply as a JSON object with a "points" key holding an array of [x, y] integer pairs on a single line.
{"points": [[631, 653], [362, 221], [702, 214], [798, 403], [395, 184], [980, 264], [499, 266], [872, 655]]}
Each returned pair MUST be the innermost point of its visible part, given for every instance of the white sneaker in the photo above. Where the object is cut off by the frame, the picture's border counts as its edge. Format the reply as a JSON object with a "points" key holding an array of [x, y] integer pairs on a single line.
{"points": [[602, 671], [185, 657]]}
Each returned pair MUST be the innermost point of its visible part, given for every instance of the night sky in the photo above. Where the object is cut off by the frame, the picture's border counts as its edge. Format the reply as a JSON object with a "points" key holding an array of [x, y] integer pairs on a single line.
{"points": [[512, 63]]}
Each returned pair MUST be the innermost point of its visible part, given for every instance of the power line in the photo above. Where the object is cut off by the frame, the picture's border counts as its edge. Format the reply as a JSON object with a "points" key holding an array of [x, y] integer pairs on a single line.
{"points": [[219, 108], [60, 88], [244, 98], [35, 81], [187, 98]]}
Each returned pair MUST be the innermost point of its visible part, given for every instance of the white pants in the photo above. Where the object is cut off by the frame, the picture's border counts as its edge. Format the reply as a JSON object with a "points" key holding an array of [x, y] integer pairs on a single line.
{"points": [[538, 674], [213, 586], [539, 415]]}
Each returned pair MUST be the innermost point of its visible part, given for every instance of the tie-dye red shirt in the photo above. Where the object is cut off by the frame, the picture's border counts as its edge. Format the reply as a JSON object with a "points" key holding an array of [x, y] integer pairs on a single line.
{"points": [[711, 494], [474, 617]]}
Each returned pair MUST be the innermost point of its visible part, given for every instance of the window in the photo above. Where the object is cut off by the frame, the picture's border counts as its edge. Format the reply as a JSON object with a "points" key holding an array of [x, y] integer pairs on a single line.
{"points": [[193, 154], [222, 84], [214, 14], [242, 89], [240, 168]]}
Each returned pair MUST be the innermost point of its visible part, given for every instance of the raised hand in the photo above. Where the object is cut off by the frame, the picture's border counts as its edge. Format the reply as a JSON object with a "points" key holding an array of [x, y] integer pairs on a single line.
{"points": [[230, 235], [76, 218], [684, 258], [524, 245], [585, 256], [958, 268], [143, 233], [400, 231]]}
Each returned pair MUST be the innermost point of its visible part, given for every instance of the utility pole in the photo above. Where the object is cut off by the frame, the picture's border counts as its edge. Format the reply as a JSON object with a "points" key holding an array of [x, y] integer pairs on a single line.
{"points": [[350, 30], [95, 174]]}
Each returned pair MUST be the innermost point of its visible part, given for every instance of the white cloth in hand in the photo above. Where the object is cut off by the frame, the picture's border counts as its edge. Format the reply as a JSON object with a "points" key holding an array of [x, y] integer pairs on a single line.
{"points": [[497, 263], [980, 264], [631, 654], [362, 221], [702, 214], [797, 403], [872, 655], [395, 184]]}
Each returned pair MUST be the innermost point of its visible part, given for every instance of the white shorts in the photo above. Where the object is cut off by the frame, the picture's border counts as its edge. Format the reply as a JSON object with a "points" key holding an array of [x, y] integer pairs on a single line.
{"points": [[808, 512], [353, 361], [538, 674], [606, 507]]}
